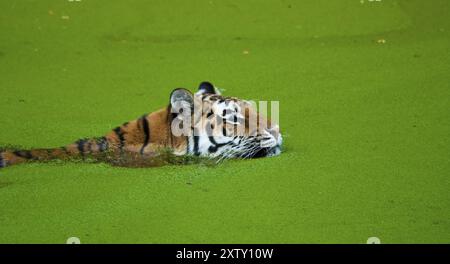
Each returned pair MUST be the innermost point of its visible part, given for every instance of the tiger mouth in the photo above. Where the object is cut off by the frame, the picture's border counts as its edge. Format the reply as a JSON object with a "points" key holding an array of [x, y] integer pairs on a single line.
{"points": [[266, 152]]}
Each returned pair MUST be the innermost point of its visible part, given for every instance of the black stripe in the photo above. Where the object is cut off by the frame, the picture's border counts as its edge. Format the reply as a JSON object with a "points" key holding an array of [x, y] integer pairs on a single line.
{"points": [[146, 128], [216, 145], [119, 134], [196, 138], [196, 153], [23, 154], [213, 141], [1, 160], [102, 144], [212, 149], [50, 153], [80, 145], [187, 145]]}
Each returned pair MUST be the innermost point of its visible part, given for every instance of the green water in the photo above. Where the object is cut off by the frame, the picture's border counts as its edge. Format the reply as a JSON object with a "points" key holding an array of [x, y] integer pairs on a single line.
{"points": [[364, 97]]}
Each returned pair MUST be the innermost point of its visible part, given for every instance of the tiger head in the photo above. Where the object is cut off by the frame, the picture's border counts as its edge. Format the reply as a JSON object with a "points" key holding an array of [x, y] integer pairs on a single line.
{"points": [[223, 127]]}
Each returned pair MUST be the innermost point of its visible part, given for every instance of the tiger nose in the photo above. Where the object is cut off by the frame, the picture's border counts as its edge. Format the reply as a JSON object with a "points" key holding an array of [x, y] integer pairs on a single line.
{"points": [[274, 131]]}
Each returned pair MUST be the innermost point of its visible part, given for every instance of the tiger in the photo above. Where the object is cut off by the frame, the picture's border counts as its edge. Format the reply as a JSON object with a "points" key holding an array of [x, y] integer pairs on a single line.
{"points": [[206, 118]]}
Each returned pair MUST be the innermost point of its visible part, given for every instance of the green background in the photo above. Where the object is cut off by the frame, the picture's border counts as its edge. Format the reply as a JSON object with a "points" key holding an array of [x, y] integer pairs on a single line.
{"points": [[364, 97]]}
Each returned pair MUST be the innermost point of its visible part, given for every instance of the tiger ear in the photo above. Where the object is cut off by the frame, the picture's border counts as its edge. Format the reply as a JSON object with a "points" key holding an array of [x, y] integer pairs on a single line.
{"points": [[183, 97], [207, 88]]}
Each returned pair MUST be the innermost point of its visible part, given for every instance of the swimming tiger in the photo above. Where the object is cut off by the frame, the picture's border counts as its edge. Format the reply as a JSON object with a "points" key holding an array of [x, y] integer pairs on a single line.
{"points": [[202, 124]]}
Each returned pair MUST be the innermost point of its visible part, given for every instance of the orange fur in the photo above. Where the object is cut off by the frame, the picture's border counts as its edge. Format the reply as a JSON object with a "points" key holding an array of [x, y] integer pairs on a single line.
{"points": [[130, 137]]}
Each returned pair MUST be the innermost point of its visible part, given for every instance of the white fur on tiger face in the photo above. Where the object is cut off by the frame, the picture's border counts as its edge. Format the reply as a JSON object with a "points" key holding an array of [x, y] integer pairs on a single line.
{"points": [[221, 127]]}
